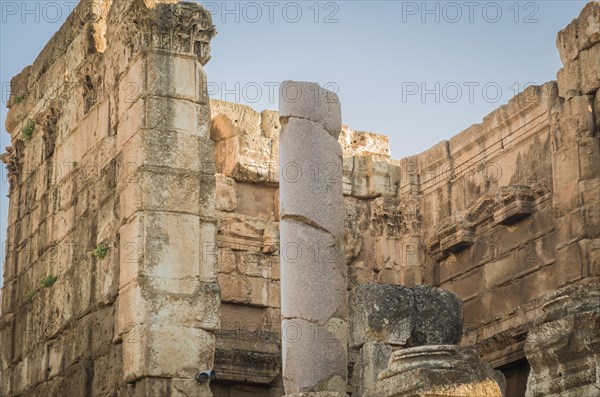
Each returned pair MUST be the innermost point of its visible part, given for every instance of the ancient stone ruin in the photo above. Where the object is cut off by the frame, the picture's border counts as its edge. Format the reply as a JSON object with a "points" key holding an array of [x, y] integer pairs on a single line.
{"points": [[161, 243]]}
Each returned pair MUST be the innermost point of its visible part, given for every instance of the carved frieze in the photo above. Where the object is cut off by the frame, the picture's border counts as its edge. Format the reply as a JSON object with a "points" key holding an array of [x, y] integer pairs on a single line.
{"points": [[386, 217]]}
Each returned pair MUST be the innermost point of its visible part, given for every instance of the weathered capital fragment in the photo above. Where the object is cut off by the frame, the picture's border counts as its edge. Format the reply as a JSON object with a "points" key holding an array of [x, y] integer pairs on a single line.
{"points": [[564, 345], [314, 304]]}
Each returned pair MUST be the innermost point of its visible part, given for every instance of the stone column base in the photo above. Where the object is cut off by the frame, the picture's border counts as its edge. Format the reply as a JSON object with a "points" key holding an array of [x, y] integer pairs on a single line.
{"points": [[441, 370]]}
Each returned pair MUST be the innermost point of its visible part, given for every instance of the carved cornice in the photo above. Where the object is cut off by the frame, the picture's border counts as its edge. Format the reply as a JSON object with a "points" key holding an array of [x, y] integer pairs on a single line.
{"points": [[510, 205]]}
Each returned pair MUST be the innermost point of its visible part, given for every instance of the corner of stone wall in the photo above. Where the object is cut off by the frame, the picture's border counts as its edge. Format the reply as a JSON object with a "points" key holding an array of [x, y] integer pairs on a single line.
{"points": [[110, 274]]}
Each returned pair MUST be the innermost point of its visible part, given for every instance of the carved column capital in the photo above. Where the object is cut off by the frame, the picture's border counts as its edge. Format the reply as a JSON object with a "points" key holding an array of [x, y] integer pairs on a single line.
{"points": [[180, 27]]}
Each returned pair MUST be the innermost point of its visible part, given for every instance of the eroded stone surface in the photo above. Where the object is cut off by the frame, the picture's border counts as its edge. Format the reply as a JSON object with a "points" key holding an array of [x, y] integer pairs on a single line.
{"points": [[310, 101], [439, 370], [562, 346], [404, 316]]}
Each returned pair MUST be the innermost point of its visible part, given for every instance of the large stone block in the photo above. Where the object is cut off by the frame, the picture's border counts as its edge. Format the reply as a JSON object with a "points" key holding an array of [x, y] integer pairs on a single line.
{"points": [[173, 76], [372, 359], [404, 316], [439, 317], [381, 313], [164, 246], [310, 101], [582, 33], [178, 115], [226, 199], [166, 351]]}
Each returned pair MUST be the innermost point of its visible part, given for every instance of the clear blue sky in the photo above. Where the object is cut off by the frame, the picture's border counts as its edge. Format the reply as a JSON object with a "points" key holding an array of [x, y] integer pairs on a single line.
{"points": [[419, 72]]}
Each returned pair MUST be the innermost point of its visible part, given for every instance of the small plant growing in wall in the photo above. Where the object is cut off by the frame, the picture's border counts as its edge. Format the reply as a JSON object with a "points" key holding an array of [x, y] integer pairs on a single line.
{"points": [[29, 296], [48, 281], [75, 164], [18, 99], [27, 131], [100, 251]]}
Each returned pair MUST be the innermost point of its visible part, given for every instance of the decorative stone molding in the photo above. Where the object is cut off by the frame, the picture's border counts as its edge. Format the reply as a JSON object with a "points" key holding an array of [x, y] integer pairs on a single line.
{"points": [[182, 27], [12, 159], [564, 345], [511, 204], [387, 218], [48, 120], [514, 204], [410, 207], [440, 370]]}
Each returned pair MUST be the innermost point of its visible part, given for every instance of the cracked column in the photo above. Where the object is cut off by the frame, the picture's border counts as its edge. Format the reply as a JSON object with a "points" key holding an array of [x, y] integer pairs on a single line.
{"points": [[314, 303]]}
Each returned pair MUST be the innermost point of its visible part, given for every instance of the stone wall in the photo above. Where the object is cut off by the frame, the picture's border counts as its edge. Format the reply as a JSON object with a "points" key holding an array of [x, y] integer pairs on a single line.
{"points": [[105, 290], [502, 214]]}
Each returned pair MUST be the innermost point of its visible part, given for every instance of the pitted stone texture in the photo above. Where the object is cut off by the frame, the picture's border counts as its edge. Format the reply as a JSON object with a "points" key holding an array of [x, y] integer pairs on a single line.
{"points": [[314, 357], [313, 274], [404, 316], [439, 317], [381, 313], [580, 34], [309, 101], [372, 359], [563, 347], [311, 176]]}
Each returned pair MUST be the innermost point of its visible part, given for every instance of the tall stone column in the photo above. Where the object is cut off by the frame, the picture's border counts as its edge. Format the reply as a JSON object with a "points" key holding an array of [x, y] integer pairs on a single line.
{"points": [[314, 304]]}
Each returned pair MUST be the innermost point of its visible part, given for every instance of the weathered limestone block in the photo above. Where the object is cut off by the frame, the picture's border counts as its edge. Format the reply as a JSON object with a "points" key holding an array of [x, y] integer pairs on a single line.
{"points": [[582, 33], [313, 267], [403, 316], [440, 370], [381, 313], [363, 143], [226, 199], [439, 317], [564, 345], [372, 359], [576, 121], [148, 350], [246, 145], [270, 125], [581, 76], [311, 102]]}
